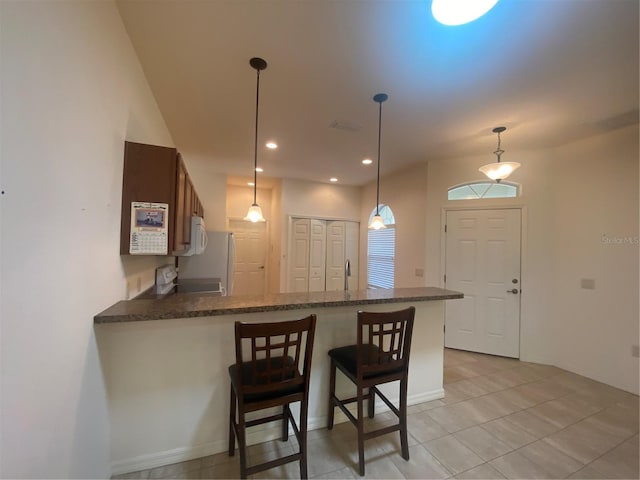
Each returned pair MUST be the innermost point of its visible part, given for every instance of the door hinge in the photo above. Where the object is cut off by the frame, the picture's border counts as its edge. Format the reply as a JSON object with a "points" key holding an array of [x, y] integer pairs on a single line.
{"points": [[444, 329], [445, 228], [445, 278]]}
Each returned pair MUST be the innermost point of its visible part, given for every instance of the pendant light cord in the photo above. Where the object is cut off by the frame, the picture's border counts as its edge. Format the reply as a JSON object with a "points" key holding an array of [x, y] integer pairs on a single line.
{"points": [[255, 143], [498, 151], [378, 181]]}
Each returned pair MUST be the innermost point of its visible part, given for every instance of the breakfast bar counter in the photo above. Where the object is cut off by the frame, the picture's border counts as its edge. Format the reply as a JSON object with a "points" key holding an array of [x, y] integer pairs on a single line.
{"points": [[189, 305], [166, 364]]}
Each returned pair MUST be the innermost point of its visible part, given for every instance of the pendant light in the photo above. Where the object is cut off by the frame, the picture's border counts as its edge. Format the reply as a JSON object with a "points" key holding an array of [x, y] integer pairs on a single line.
{"points": [[376, 222], [499, 170], [255, 212]]}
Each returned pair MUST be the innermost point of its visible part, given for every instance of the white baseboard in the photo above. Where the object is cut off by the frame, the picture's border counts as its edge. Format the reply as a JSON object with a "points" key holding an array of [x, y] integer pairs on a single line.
{"points": [[254, 435]]}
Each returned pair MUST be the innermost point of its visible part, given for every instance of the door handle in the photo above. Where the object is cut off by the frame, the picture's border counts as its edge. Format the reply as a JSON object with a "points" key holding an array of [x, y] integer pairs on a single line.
{"points": [[513, 290]]}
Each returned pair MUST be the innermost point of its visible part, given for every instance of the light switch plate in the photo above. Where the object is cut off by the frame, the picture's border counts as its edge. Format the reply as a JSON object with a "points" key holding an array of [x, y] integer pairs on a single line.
{"points": [[419, 272], [588, 283]]}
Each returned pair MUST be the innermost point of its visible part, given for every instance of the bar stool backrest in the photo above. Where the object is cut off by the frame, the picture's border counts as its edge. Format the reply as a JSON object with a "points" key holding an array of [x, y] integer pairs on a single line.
{"points": [[274, 356], [384, 342]]}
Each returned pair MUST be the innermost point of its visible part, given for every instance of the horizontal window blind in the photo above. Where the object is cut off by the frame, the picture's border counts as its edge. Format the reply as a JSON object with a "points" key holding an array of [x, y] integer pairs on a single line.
{"points": [[381, 258]]}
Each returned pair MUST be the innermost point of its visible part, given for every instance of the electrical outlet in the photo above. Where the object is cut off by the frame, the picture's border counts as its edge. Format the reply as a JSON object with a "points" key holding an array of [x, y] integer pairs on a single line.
{"points": [[139, 285], [419, 272], [635, 351]]}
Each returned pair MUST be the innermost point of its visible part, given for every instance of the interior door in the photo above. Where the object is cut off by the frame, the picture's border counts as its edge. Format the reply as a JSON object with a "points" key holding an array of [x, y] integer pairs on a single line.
{"points": [[250, 257], [482, 260], [335, 255], [317, 247], [299, 261]]}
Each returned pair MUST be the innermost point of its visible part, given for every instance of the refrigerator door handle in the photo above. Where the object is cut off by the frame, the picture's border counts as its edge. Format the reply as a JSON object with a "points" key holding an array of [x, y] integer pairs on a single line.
{"points": [[205, 240]]}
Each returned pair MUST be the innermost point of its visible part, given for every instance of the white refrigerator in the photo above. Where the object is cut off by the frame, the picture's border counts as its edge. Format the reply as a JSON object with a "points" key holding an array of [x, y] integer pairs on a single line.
{"points": [[215, 262]]}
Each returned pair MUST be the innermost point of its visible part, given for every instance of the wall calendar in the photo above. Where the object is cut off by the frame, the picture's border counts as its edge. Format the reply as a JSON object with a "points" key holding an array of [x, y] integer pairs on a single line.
{"points": [[149, 228]]}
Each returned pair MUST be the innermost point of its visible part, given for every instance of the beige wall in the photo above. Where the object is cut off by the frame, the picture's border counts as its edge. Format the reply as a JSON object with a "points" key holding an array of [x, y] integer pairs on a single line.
{"points": [[406, 193], [571, 198], [72, 93], [595, 232]]}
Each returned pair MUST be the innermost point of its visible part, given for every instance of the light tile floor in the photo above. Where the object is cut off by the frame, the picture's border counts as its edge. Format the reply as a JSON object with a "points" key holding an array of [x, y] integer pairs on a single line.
{"points": [[500, 418]]}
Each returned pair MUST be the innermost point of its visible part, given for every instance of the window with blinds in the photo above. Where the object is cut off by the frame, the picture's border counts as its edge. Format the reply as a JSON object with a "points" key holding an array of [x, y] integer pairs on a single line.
{"points": [[381, 258], [381, 250]]}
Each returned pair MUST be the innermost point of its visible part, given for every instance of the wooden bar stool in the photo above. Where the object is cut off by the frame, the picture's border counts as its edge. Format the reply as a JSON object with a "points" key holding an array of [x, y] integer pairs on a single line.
{"points": [[273, 366], [381, 355]]}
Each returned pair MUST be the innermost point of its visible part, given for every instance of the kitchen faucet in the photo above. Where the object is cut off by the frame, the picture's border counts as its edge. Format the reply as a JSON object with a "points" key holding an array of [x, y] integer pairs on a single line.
{"points": [[347, 274]]}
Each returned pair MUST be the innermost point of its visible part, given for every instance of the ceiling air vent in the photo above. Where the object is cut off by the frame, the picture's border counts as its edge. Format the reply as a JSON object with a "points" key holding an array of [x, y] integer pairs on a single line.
{"points": [[345, 126], [618, 121]]}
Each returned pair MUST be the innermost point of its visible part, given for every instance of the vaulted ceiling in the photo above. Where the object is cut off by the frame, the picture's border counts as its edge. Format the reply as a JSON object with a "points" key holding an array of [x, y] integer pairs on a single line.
{"points": [[549, 70]]}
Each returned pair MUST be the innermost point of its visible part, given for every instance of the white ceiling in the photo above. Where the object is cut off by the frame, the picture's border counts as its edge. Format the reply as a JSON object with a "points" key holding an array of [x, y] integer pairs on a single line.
{"points": [[549, 70]]}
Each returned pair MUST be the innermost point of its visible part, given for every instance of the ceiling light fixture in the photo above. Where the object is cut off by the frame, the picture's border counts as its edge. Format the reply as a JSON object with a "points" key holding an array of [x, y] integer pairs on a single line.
{"points": [[271, 145], [259, 169], [499, 170], [376, 222], [333, 179], [367, 161], [459, 12], [255, 212]]}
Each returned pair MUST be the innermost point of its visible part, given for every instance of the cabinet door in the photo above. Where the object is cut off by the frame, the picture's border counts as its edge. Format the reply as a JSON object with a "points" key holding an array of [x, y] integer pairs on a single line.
{"points": [[180, 239], [149, 175], [188, 211]]}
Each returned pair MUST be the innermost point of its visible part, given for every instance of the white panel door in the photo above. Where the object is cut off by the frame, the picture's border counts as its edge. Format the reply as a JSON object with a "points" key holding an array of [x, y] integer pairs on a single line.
{"points": [[482, 260], [317, 248], [299, 261], [352, 249], [250, 257], [335, 255]]}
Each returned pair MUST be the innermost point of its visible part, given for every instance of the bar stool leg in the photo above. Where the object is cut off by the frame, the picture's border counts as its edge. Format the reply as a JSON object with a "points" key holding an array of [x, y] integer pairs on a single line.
{"points": [[304, 407], [332, 392], [242, 445], [232, 419], [285, 422], [371, 403], [360, 401], [404, 444]]}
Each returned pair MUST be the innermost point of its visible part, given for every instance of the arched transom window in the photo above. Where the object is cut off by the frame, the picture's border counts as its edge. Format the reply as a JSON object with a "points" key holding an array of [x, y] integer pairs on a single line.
{"points": [[483, 189]]}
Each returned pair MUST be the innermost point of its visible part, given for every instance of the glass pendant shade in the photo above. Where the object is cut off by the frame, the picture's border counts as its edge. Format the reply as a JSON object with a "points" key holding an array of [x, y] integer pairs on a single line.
{"points": [[377, 223], [499, 170], [255, 214]]}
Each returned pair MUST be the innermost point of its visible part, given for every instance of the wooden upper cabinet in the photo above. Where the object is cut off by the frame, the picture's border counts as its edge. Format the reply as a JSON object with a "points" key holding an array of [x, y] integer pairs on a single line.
{"points": [[158, 174]]}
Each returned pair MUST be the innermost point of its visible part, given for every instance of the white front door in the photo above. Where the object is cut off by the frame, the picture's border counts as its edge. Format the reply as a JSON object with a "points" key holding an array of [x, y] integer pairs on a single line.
{"points": [[250, 257], [482, 260]]}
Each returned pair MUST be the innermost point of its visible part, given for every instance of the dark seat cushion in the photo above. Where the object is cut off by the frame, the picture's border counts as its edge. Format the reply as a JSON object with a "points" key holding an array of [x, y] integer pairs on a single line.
{"points": [[261, 380], [347, 358]]}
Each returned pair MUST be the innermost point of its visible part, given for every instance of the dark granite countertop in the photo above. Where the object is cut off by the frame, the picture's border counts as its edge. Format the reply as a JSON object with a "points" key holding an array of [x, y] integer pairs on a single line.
{"points": [[194, 305]]}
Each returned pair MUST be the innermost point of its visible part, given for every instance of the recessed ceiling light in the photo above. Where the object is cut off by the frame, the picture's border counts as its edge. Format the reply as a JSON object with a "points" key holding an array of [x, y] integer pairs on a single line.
{"points": [[251, 184], [459, 12], [272, 145], [367, 161], [259, 169], [334, 179]]}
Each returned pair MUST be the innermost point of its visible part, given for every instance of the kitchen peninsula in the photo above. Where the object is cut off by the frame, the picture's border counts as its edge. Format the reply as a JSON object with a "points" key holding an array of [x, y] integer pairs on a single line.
{"points": [[166, 363]]}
